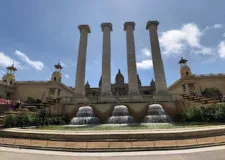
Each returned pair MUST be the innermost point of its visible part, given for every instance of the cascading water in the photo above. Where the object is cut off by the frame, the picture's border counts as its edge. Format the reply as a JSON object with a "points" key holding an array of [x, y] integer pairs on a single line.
{"points": [[85, 115], [120, 115], [156, 114]]}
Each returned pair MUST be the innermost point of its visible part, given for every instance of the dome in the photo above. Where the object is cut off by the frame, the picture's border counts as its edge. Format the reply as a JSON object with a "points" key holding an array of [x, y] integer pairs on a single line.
{"points": [[119, 78]]}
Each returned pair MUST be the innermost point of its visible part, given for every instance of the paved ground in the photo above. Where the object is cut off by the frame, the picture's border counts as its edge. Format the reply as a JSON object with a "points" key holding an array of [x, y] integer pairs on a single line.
{"points": [[211, 153]]}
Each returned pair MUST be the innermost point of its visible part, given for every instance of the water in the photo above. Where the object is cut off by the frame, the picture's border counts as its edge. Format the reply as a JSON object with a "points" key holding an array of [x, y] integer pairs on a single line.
{"points": [[156, 114], [85, 115], [120, 115]]}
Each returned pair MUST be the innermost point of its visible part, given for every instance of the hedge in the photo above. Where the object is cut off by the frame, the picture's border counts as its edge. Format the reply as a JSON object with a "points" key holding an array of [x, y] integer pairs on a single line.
{"points": [[26, 119], [204, 113]]}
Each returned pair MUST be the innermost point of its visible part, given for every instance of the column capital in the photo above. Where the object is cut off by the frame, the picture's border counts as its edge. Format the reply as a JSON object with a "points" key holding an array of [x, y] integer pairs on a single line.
{"points": [[152, 23], [85, 28], [108, 25], [131, 24]]}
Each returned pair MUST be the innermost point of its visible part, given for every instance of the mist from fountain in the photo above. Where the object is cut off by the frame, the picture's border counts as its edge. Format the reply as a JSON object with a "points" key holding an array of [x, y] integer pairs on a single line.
{"points": [[85, 115], [156, 114], [121, 115]]}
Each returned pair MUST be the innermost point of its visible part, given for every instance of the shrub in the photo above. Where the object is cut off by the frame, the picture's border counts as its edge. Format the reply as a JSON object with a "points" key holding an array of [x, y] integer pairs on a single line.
{"points": [[26, 119], [213, 93], [9, 121], [204, 113]]}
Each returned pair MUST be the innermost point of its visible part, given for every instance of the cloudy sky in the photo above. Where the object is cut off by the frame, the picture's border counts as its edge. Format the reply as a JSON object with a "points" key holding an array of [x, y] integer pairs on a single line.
{"points": [[35, 34]]}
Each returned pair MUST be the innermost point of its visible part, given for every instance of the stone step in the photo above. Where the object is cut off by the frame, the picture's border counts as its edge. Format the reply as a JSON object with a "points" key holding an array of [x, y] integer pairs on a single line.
{"points": [[2, 116], [213, 101]]}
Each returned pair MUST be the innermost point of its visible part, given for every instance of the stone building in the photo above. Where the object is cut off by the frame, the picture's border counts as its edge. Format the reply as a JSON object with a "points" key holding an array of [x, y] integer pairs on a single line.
{"points": [[120, 87], [55, 89], [189, 83]]}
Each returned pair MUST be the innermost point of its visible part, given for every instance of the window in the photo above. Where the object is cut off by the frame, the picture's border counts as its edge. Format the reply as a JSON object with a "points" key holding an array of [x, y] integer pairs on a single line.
{"points": [[186, 73], [184, 88]]}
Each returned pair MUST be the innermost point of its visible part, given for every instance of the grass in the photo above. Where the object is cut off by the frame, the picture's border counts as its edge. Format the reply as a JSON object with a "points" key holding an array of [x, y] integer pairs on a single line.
{"points": [[127, 127]]}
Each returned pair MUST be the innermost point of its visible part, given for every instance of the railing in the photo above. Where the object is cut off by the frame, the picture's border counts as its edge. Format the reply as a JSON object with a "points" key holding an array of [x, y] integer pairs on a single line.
{"points": [[117, 99]]}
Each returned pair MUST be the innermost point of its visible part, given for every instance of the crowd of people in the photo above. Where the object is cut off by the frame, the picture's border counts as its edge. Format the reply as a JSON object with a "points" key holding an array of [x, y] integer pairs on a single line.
{"points": [[13, 104]]}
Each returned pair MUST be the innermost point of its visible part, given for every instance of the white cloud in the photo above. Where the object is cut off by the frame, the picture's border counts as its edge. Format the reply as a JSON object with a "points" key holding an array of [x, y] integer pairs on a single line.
{"points": [[215, 26], [66, 75], [146, 52], [6, 61], [218, 26], [37, 65], [145, 64], [221, 49], [177, 40]]}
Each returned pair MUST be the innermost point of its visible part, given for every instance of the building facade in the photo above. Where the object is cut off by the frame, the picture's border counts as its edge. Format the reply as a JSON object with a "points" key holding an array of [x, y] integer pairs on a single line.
{"points": [[190, 83]]}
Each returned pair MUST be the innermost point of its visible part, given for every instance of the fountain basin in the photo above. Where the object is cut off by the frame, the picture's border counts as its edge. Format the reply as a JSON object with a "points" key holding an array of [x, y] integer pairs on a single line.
{"points": [[121, 115], [156, 114], [85, 115]]}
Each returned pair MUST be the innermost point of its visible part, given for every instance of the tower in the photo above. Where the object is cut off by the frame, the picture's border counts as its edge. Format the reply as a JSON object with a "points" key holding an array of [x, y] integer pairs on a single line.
{"points": [[56, 75], [185, 70], [9, 77]]}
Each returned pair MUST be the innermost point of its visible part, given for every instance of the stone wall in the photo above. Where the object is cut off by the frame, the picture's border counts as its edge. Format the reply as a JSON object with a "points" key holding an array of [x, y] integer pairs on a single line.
{"points": [[29, 90], [104, 111]]}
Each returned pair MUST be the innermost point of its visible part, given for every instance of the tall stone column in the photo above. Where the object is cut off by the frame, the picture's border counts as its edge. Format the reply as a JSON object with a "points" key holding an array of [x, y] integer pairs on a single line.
{"points": [[106, 93], [81, 62], [131, 61], [160, 79]]}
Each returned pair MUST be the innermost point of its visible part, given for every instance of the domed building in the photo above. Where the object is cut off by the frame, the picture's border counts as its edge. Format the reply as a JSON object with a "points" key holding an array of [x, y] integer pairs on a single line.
{"points": [[120, 87]]}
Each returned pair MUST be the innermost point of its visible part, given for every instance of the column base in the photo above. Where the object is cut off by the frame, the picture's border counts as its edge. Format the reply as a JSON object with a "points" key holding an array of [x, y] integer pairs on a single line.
{"points": [[134, 96], [162, 97], [80, 98], [107, 97]]}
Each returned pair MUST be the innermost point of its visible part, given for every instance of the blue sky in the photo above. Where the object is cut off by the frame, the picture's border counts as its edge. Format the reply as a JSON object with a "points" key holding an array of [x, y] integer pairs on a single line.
{"points": [[36, 34]]}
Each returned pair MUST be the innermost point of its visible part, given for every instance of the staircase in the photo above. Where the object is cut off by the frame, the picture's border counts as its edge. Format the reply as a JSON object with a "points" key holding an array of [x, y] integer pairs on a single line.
{"points": [[199, 99], [1, 120]]}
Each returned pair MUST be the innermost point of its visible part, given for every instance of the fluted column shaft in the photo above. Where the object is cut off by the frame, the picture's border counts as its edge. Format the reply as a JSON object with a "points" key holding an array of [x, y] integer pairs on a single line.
{"points": [[160, 79], [106, 60], [81, 61], [131, 59]]}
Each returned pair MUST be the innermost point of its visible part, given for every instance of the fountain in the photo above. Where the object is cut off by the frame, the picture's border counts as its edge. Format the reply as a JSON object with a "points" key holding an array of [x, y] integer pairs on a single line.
{"points": [[120, 115], [156, 114], [85, 115]]}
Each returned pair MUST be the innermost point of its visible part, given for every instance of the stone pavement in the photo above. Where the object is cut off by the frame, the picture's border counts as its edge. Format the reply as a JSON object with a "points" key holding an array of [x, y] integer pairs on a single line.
{"points": [[210, 153]]}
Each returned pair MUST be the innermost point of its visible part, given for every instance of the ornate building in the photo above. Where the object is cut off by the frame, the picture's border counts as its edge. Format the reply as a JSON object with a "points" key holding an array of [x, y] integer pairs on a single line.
{"points": [[191, 83], [119, 88]]}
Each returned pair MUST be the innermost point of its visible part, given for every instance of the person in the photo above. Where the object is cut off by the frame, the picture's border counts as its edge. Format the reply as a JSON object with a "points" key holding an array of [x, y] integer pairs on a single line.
{"points": [[17, 104]]}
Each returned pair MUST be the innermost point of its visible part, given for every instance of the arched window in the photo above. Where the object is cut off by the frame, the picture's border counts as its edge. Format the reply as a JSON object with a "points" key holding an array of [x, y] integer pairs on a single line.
{"points": [[186, 73], [54, 78]]}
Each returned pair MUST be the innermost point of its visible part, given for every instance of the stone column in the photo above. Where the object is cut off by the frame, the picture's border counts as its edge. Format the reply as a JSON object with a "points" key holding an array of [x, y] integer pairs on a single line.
{"points": [[160, 79], [106, 92], [131, 61], [81, 62]]}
